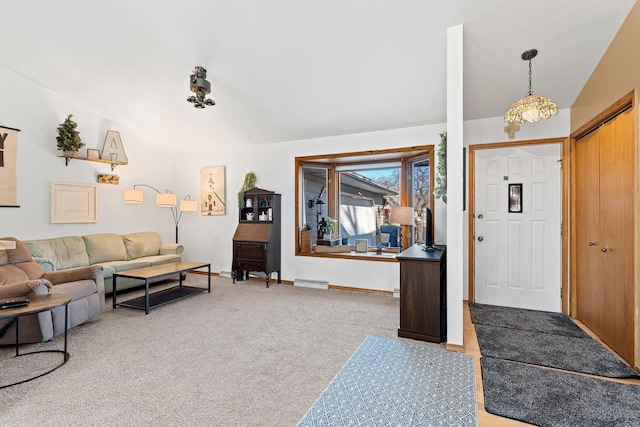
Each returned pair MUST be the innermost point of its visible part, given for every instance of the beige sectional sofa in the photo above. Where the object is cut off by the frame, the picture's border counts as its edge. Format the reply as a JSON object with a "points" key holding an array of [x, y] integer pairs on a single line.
{"points": [[114, 252]]}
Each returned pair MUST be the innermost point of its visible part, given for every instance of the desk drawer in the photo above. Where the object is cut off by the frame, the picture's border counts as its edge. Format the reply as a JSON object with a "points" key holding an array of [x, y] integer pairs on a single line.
{"points": [[249, 265], [254, 251]]}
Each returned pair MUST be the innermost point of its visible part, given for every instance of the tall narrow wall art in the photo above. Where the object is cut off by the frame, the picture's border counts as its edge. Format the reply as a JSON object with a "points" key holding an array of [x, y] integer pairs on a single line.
{"points": [[212, 191], [8, 175]]}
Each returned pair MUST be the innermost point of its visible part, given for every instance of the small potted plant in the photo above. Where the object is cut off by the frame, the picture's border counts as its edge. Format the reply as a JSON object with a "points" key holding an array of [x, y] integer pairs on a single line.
{"points": [[68, 139], [332, 226]]}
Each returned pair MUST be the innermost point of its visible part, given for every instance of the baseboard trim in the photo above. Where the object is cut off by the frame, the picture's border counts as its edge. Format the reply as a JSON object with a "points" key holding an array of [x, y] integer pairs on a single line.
{"points": [[290, 282], [455, 347]]}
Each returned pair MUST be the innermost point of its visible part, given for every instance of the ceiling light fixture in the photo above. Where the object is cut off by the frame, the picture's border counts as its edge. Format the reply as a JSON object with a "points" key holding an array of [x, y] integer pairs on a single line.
{"points": [[199, 85], [532, 107]]}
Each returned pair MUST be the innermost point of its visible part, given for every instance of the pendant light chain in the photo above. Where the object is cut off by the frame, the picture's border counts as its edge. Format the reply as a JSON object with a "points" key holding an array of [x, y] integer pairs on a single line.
{"points": [[530, 91]]}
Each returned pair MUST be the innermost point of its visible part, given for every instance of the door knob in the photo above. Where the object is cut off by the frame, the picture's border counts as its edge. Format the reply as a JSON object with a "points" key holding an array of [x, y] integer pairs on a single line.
{"points": [[480, 216], [480, 238], [604, 249], [591, 243]]}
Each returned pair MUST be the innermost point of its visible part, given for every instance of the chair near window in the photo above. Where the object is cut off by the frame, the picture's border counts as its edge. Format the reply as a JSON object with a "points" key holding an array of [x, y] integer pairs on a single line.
{"points": [[394, 234]]}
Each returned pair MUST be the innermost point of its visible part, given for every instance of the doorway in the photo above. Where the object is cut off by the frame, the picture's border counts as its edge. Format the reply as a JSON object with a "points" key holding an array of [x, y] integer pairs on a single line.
{"points": [[515, 224]]}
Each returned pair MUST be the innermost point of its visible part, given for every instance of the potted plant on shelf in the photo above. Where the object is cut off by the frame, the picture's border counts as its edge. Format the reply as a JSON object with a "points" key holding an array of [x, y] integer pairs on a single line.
{"points": [[248, 184], [332, 226], [68, 139]]}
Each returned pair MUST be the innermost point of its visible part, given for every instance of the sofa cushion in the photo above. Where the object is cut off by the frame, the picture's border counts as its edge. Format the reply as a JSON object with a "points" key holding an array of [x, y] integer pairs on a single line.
{"points": [[65, 252], [160, 259], [142, 244], [105, 247], [126, 265]]}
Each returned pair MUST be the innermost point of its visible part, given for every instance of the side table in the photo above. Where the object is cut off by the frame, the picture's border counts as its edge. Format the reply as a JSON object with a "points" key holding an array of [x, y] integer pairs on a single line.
{"points": [[37, 304]]}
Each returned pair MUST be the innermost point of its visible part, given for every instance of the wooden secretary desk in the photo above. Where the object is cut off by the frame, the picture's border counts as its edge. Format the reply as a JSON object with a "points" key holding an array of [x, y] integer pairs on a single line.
{"points": [[256, 242]]}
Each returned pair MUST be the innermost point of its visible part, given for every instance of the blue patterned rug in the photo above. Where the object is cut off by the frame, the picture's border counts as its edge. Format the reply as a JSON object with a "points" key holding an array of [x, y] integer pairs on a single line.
{"points": [[387, 382]]}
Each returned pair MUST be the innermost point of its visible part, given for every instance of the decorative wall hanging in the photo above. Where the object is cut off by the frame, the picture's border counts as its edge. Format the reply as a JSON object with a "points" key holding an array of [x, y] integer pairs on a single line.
{"points": [[8, 176], [108, 179], [212, 191], [113, 149], [73, 203]]}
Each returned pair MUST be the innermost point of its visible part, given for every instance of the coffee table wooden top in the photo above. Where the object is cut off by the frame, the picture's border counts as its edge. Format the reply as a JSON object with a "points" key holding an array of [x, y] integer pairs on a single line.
{"points": [[161, 269], [37, 304]]}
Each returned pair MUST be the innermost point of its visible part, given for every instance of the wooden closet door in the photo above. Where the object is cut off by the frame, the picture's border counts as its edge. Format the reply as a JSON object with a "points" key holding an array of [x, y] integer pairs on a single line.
{"points": [[587, 208], [617, 181], [605, 181]]}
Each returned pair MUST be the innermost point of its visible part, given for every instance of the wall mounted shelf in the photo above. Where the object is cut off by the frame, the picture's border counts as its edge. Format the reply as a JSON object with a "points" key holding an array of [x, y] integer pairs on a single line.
{"points": [[113, 164]]}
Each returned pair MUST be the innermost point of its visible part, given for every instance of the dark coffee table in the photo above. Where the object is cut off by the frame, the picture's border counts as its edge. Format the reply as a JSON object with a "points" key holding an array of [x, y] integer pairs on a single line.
{"points": [[37, 304], [155, 299]]}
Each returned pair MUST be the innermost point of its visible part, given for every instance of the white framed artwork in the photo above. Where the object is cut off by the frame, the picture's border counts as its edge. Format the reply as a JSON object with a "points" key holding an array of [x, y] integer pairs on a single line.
{"points": [[73, 203]]}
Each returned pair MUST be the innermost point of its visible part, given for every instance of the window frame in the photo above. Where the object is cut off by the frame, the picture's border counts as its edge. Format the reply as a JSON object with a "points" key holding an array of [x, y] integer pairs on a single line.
{"points": [[331, 161]]}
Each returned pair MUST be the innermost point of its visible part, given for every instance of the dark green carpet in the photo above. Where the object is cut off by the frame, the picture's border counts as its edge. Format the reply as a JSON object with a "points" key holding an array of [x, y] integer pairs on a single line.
{"points": [[551, 398]]}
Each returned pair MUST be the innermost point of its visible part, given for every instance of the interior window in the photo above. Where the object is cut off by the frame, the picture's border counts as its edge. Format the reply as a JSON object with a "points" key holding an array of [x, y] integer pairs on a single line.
{"points": [[364, 192], [359, 191]]}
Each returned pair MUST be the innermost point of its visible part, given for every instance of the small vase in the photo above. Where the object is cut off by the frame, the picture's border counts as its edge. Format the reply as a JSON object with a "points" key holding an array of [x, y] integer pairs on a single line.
{"points": [[69, 153]]}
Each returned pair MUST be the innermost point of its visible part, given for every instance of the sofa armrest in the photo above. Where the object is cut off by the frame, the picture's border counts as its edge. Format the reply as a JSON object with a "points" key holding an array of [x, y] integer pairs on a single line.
{"points": [[45, 263], [171, 249], [20, 289], [74, 274]]}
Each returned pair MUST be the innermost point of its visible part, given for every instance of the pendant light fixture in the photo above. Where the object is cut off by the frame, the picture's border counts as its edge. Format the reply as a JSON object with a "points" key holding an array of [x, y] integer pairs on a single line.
{"points": [[532, 107]]}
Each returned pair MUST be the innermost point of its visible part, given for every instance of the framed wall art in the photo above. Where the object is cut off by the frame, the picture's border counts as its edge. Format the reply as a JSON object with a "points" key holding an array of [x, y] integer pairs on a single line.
{"points": [[212, 191], [73, 203], [8, 175], [93, 153]]}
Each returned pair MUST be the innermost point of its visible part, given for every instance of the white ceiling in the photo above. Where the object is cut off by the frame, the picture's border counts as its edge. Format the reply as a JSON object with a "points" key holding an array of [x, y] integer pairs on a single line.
{"points": [[286, 70]]}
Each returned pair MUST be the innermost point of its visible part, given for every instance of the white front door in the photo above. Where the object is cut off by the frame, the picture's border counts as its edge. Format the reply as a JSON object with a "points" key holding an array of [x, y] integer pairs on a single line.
{"points": [[518, 254]]}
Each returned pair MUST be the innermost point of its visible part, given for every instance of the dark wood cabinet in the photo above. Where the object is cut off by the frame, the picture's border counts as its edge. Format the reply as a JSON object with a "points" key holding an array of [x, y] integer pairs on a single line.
{"points": [[256, 242], [423, 294]]}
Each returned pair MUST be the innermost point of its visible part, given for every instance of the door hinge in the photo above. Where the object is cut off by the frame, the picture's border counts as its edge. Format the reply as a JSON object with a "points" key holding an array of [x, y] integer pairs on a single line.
{"points": [[560, 161]]}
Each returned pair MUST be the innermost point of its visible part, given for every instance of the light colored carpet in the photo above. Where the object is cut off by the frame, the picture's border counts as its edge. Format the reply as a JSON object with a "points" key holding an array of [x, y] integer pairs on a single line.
{"points": [[243, 355]]}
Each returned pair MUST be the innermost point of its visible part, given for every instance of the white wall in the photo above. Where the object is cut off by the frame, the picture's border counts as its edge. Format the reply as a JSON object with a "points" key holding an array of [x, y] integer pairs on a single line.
{"points": [[37, 112], [210, 238]]}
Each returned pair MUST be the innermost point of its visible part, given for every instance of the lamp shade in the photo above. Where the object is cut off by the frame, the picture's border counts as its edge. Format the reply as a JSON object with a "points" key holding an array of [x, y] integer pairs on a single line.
{"points": [[530, 109], [166, 200], [188, 206], [7, 244], [133, 196], [402, 215]]}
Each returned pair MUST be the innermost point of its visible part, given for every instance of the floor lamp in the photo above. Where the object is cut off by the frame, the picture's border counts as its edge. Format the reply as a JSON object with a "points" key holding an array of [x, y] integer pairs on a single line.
{"points": [[163, 200], [402, 215]]}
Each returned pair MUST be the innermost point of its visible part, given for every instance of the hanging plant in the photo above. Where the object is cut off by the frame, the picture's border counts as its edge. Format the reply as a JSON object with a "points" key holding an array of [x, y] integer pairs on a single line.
{"points": [[440, 191], [248, 184], [68, 137]]}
